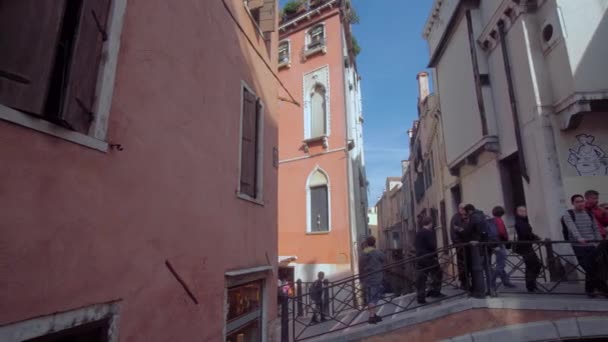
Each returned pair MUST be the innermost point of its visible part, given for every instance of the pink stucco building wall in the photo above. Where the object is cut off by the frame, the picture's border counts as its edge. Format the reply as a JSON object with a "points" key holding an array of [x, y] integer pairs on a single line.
{"points": [[81, 227], [330, 251]]}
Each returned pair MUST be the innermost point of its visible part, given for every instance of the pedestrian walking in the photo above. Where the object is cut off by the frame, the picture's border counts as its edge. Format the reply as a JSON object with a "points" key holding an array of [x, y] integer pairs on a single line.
{"points": [[371, 263], [427, 264], [582, 230], [500, 251], [316, 294], [531, 261], [601, 214]]}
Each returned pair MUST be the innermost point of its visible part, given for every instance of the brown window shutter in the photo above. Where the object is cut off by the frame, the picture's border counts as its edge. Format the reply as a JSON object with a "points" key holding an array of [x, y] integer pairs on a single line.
{"points": [[268, 16], [249, 144], [255, 4], [82, 81], [29, 30]]}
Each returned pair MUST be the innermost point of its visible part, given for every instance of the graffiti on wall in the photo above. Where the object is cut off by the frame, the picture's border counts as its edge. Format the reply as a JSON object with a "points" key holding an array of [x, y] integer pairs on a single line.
{"points": [[588, 158]]}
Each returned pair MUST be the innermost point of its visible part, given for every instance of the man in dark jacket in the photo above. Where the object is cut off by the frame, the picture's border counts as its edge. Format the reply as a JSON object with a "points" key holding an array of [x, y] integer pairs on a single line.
{"points": [[316, 294], [427, 263], [531, 260], [457, 224], [371, 263], [476, 229]]}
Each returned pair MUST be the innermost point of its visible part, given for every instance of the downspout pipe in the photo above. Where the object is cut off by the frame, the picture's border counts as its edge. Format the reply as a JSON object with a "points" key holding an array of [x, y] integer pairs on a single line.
{"points": [[512, 101], [475, 61]]}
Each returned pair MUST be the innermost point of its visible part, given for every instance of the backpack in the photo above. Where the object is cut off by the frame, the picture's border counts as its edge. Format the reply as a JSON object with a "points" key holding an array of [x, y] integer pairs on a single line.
{"points": [[565, 231], [492, 230], [485, 230]]}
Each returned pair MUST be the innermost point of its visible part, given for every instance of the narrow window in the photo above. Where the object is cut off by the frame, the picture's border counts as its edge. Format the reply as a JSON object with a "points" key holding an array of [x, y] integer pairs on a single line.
{"points": [[284, 53], [249, 144], [318, 111], [250, 166], [318, 189]]}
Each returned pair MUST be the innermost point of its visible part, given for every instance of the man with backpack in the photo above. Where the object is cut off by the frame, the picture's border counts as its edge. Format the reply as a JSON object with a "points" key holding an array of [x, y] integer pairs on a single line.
{"points": [[479, 229], [316, 294], [498, 232], [580, 227]]}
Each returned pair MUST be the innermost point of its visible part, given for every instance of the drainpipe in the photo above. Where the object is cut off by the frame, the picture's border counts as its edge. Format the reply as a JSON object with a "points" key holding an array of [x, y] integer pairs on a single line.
{"points": [[505, 57], [476, 73]]}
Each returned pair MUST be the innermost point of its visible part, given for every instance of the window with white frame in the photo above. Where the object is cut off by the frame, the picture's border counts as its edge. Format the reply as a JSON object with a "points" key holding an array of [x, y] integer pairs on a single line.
{"points": [[251, 168], [284, 53], [315, 37], [318, 110], [54, 77], [316, 105], [318, 202]]}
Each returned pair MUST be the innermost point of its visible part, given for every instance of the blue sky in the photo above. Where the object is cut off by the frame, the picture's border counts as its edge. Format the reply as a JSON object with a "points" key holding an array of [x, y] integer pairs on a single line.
{"points": [[392, 53]]}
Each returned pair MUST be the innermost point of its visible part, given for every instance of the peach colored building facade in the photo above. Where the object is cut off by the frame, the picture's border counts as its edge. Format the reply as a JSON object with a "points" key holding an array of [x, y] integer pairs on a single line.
{"points": [[164, 237], [322, 198]]}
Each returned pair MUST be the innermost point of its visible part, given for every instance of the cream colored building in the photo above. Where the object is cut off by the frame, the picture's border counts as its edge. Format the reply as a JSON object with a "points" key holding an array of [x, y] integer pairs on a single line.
{"points": [[427, 172], [523, 92]]}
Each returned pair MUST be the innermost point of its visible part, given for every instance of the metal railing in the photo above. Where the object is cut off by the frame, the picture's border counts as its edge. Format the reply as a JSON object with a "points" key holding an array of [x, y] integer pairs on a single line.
{"points": [[466, 270]]}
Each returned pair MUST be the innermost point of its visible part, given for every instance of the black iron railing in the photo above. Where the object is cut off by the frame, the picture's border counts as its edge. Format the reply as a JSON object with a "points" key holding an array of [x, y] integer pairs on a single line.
{"points": [[465, 269]]}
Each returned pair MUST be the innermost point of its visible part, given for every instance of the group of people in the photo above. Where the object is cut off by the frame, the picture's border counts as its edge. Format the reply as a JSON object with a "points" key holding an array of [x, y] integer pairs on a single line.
{"points": [[583, 226]]}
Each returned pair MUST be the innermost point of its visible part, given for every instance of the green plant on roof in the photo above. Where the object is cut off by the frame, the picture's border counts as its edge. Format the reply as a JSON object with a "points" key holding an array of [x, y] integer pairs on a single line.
{"points": [[351, 14], [292, 7], [355, 48]]}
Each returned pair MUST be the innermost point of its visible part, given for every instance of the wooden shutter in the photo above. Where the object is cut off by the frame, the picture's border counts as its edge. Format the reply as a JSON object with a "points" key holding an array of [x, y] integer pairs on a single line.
{"points": [[29, 30], [268, 17], [86, 57], [255, 4], [319, 213], [249, 144]]}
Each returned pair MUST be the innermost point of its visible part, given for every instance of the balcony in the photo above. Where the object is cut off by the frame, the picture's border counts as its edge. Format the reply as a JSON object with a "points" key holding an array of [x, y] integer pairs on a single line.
{"points": [[316, 46]]}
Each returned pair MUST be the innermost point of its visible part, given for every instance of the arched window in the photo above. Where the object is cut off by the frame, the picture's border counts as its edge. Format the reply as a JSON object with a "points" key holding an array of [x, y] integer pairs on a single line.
{"points": [[318, 117], [318, 202]]}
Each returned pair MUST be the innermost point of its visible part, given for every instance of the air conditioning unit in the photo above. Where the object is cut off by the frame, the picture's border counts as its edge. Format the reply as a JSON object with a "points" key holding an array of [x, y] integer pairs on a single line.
{"points": [[551, 31]]}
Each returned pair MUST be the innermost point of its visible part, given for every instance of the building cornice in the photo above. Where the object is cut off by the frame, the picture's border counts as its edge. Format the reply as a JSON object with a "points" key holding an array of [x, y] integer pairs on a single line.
{"points": [[308, 15]]}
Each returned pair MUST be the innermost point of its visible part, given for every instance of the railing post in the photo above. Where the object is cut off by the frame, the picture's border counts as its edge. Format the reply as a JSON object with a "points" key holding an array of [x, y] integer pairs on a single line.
{"points": [[556, 269], [300, 297], [284, 317], [478, 283], [354, 293], [325, 298]]}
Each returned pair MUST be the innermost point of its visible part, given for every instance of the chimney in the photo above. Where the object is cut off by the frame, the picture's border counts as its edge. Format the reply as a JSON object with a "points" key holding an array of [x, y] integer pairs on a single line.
{"points": [[423, 86]]}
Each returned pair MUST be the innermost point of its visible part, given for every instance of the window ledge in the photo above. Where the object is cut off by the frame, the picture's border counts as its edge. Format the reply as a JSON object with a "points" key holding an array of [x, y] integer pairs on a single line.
{"points": [[248, 198], [40, 125], [319, 49], [286, 65], [309, 141], [319, 233]]}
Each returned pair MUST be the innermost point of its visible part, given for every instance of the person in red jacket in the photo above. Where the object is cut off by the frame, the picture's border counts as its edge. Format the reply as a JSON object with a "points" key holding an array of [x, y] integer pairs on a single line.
{"points": [[600, 214]]}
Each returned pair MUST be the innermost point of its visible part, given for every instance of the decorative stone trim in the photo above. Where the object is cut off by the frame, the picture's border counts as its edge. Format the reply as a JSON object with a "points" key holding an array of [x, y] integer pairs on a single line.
{"points": [[507, 13]]}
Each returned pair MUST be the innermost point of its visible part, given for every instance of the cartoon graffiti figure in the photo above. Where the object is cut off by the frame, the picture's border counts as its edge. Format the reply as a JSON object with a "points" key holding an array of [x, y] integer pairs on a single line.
{"points": [[587, 158]]}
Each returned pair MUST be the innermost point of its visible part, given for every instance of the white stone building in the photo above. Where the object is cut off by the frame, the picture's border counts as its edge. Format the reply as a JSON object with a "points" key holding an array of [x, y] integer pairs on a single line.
{"points": [[523, 92]]}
